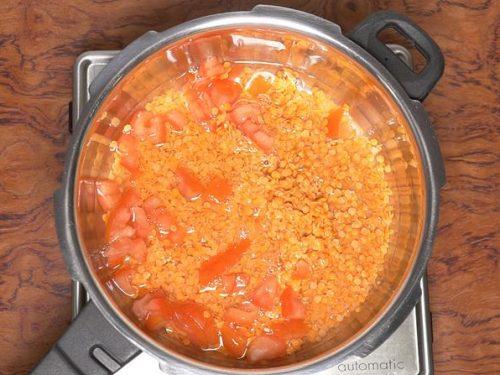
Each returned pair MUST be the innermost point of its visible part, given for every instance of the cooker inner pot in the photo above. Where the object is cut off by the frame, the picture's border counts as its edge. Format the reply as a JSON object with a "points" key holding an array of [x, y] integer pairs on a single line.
{"points": [[344, 80]]}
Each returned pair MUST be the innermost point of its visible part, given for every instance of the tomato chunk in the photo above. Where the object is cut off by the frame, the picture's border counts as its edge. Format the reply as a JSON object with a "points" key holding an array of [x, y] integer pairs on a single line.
{"points": [[139, 307], [123, 280], [130, 198], [259, 85], [165, 222], [219, 264], [235, 72], [190, 318], [291, 304], [234, 340], [157, 133], [122, 247], [265, 348], [150, 204], [188, 184], [154, 311], [234, 282], [243, 314], [338, 125], [140, 124], [198, 108], [128, 148], [246, 117], [249, 128], [243, 112], [168, 226], [224, 91], [159, 314], [218, 188], [265, 295], [291, 329], [302, 270], [176, 119], [108, 194], [210, 67], [140, 222], [263, 140], [117, 222]]}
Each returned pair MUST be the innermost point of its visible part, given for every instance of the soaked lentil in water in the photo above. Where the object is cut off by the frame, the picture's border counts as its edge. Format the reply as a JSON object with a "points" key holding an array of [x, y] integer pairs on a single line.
{"points": [[245, 213]]}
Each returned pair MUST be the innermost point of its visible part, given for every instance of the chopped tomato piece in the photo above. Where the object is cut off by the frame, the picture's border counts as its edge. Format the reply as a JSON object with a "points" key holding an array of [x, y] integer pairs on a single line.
{"points": [[291, 304], [210, 67], [242, 315], [108, 194], [291, 329], [234, 340], [188, 184], [128, 148], [266, 293], [176, 119], [249, 128], [125, 232], [159, 314], [188, 318], [246, 117], [139, 307], [338, 124], [191, 319], [157, 132], [219, 264], [245, 111], [234, 282], [302, 270], [235, 72], [154, 311], [123, 280], [165, 222], [117, 252], [263, 140], [265, 348], [168, 226], [140, 124], [207, 99], [218, 188], [150, 204], [138, 250], [259, 85], [130, 198], [124, 246], [118, 220], [177, 236], [197, 108], [224, 91], [200, 106], [140, 222]]}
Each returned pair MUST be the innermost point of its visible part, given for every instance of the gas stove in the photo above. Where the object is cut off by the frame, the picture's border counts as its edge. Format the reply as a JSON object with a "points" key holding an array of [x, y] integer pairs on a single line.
{"points": [[407, 352]]}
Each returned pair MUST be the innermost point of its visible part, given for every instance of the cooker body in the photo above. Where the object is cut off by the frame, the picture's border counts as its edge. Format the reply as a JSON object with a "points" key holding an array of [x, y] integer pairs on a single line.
{"points": [[272, 38]]}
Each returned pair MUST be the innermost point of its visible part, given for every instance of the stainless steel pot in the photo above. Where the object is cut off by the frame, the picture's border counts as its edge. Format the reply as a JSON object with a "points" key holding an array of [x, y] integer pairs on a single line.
{"points": [[384, 95]]}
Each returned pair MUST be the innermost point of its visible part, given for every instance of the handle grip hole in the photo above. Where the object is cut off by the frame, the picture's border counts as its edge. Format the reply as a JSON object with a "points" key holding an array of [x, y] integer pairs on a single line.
{"points": [[392, 35]]}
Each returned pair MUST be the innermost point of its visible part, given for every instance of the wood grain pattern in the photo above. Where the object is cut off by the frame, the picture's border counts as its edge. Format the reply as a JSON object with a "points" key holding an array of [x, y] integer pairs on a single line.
{"points": [[39, 41]]}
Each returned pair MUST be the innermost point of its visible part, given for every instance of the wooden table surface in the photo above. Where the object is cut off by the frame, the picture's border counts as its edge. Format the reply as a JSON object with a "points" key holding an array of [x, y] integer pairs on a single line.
{"points": [[39, 41]]}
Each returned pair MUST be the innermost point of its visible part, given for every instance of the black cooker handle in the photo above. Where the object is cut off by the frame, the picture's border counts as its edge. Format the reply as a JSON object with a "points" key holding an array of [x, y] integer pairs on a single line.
{"points": [[90, 346], [417, 85]]}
